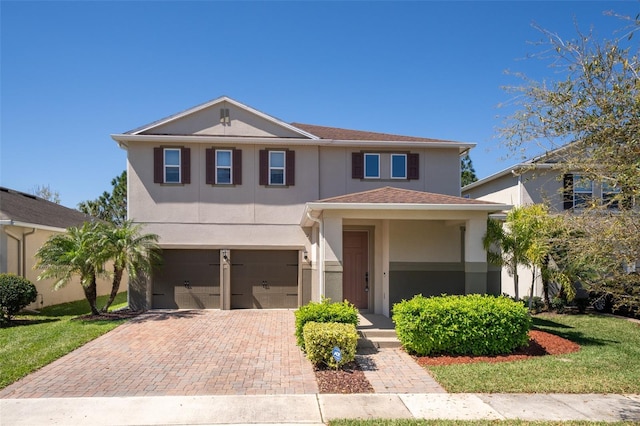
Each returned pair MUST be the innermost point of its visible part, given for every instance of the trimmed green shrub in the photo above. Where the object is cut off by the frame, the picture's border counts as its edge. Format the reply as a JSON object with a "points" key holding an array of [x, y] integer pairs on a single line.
{"points": [[472, 324], [321, 338], [537, 304], [15, 293], [324, 311]]}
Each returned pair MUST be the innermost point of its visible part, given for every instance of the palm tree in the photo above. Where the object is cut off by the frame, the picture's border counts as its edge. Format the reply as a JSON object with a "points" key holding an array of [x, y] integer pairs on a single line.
{"points": [[64, 256], [129, 250]]}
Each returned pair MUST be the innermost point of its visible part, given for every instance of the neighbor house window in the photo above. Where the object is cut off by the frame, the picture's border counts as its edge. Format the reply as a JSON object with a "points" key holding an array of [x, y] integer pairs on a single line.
{"points": [[582, 191], [371, 166], [609, 193], [277, 167], [224, 170], [398, 166], [172, 165]]}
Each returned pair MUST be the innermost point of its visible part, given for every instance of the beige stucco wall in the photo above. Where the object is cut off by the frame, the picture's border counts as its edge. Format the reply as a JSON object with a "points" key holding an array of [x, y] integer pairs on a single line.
{"points": [[46, 294], [424, 241], [207, 122], [439, 171], [198, 202]]}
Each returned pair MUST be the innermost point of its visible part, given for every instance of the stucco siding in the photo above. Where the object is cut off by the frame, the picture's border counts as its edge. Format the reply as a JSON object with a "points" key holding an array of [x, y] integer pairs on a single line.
{"points": [[424, 241]]}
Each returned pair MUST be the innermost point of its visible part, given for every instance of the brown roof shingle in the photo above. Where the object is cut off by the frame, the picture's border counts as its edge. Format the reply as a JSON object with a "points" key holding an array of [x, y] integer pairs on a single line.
{"points": [[359, 135], [21, 207], [390, 195]]}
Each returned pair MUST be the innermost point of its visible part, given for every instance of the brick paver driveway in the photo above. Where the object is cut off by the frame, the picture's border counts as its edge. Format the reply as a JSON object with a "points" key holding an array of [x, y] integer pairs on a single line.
{"points": [[238, 352]]}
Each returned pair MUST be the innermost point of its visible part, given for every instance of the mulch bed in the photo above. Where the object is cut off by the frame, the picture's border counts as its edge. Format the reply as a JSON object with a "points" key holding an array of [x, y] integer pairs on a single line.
{"points": [[110, 316], [351, 379], [540, 343]]}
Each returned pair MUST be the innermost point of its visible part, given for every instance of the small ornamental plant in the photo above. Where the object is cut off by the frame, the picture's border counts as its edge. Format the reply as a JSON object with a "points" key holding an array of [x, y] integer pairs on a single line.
{"points": [[461, 325], [321, 339], [15, 294]]}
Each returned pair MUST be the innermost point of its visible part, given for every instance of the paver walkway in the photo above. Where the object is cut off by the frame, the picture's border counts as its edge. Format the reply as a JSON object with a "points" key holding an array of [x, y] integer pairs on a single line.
{"points": [[202, 352]]}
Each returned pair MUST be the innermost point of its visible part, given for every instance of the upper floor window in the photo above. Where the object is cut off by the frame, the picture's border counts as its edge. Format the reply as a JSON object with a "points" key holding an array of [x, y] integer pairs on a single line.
{"points": [[277, 167], [398, 166], [224, 166], [172, 165], [372, 166], [224, 171], [385, 165]]}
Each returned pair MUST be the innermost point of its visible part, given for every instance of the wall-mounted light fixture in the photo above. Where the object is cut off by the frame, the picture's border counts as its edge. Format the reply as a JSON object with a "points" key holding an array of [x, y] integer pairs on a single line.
{"points": [[225, 255], [305, 255]]}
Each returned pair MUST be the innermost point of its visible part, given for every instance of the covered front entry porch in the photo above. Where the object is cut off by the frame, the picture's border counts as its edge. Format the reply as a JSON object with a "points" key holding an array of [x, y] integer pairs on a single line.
{"points": [[375, 254]]}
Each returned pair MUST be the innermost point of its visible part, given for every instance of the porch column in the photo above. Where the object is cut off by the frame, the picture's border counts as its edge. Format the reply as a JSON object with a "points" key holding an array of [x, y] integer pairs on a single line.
{"points": [[332, 258], [225, 281], [475, 256]]}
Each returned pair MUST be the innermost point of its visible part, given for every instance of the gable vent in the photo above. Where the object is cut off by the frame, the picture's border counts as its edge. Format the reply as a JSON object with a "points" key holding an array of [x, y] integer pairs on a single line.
{"points": [[224, 116]]}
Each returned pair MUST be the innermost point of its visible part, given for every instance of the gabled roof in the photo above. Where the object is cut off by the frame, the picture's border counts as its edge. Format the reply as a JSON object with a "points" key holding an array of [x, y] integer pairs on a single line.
{"points": [[390, 195], [20, 209], [397, 199], [212, 103]]}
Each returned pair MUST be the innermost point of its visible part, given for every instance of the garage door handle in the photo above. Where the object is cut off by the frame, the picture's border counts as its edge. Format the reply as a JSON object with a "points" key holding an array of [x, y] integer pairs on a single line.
{"points": [[158, 294], [292, 294], [237, 294]]}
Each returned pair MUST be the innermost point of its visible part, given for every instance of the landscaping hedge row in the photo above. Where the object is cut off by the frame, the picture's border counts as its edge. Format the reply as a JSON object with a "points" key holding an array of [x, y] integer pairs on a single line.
{"points": [[321, 338], [472, 324], [15, 294]]}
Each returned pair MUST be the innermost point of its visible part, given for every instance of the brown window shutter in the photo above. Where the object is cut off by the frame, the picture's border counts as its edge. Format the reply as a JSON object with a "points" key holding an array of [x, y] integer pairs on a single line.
{"points": [[413, 166], [237, 167], [264, 167], [186, 164], [357, 165], [290, 171], [158, 165], [210, 166], [567, 191]]}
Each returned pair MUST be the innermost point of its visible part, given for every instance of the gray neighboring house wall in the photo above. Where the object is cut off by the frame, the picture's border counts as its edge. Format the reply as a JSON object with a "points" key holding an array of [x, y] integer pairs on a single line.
{"points": [[26, 222], [255, 212]]}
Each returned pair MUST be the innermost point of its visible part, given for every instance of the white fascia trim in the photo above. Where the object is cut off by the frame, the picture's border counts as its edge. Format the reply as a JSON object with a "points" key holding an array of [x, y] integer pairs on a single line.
{"points": [[408, 206], [513, 170], [217, 101], [9, 222], [124, 139]]}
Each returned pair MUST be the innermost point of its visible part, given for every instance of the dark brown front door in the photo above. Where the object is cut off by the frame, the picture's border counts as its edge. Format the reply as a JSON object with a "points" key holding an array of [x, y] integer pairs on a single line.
{"points": [[355, 278]]}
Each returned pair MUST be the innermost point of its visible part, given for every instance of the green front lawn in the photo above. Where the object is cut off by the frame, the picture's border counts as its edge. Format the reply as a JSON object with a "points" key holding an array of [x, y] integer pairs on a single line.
{"points": [[33, 341], [608, 361]]}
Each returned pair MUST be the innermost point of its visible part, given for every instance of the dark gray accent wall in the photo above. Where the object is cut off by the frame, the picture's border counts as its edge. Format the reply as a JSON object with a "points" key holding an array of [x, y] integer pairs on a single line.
{"points": [[494, 282], [137, 293], [333, 280], [407, 279], [306, 284]]}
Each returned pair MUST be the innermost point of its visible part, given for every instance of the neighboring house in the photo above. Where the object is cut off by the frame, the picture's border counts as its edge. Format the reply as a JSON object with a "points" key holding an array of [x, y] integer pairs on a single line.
{"points": [[253, 212], [538, 181], [26, 222]]}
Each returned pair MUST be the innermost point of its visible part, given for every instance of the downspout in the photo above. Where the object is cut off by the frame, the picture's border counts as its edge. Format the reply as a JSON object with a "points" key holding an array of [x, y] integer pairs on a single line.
{"points": [[321, 254]]}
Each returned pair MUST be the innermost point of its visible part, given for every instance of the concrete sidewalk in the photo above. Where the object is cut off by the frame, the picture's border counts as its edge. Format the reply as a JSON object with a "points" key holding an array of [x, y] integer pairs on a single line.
{"points": [[314, 409]]}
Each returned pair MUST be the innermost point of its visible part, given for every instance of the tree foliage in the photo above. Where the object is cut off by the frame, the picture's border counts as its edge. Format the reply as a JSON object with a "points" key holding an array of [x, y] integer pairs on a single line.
{"points": [[588, 119], [45, 192], [111, 207], [467, 172]]}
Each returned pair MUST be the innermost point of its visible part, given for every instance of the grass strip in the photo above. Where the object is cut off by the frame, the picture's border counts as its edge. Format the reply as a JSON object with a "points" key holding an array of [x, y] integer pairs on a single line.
{"points": [[35, 340]]}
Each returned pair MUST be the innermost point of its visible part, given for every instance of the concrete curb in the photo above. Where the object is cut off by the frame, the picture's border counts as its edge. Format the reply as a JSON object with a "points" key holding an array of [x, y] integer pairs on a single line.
{"points": [[314, 409]]}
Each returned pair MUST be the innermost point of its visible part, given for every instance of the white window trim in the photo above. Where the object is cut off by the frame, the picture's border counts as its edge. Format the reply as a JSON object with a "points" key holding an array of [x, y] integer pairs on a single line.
{"points": [[405, 167], [283, 168], [165, 165], [230, 166], [365, 165], [612, 191]]}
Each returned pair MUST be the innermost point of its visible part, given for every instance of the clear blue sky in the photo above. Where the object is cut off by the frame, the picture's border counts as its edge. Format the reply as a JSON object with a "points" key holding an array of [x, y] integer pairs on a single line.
{"points": [[72, 73]]}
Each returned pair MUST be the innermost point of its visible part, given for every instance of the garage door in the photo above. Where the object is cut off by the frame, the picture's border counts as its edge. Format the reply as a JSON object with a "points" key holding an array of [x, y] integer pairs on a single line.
{"points": [[187, 279], [264, 279]]}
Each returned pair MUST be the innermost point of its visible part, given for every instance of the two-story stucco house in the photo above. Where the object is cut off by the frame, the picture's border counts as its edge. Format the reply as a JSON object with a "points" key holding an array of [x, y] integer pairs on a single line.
{"points": [[254, 212]]}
